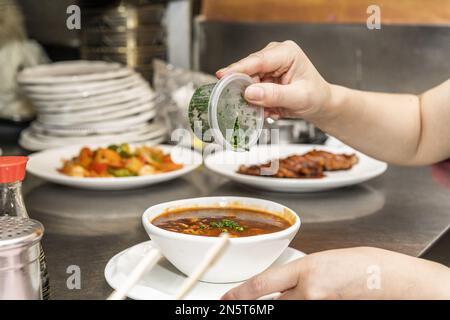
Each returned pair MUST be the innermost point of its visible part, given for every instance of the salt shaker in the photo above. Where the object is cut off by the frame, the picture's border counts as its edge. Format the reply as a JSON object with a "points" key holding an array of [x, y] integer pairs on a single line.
{"points": [[12, 173], [20, 268]]}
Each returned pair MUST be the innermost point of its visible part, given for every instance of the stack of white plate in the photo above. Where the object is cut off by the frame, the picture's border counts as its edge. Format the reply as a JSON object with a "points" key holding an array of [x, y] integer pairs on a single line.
{"points": [[88, 102]]}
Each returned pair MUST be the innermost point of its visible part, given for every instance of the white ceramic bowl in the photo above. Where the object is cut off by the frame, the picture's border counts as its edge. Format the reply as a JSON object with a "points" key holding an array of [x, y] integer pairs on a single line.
{"points": [[243, 257]]}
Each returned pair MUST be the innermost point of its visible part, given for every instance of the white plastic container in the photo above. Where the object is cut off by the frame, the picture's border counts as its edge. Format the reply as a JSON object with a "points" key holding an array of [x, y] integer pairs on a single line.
{"points": [[220, 112]]}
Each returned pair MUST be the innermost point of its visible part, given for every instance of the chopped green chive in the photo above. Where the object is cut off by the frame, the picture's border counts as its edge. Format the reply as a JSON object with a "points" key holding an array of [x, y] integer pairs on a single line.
{"points": [[225, 225]]}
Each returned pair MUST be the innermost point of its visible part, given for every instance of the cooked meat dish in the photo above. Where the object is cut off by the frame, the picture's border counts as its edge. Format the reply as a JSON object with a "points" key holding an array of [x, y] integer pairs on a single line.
{"points": [[332, 161], [309, 165]]}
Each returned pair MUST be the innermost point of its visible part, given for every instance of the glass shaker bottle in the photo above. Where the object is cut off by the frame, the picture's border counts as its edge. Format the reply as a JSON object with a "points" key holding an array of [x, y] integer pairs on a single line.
{"points": [[12, 173], [20, 271]]}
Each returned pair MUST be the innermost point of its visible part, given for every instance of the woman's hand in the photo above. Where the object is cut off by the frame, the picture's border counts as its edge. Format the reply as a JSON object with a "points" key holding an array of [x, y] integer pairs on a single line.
{"points": [[356, 273], [398, 128], [288, 84]]}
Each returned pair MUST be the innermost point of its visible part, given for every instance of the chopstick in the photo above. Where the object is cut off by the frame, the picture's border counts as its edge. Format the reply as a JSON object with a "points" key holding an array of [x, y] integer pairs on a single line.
{"points": [[210, 257], [147, 262], [151, 258]]}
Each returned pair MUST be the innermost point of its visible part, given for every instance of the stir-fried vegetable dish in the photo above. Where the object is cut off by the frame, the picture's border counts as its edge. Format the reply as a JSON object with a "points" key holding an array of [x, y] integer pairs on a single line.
{"points": [[119, 161]]}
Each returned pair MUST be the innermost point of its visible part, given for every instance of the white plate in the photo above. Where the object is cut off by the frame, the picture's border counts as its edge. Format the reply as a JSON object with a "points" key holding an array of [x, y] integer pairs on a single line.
{"points": [[156, 129], [32, 144], [226, 163], [124, 122], [83, 92], [73, 71], [163, 281], [45, 164], [100, 110], [36, 141], [142, 105], [61, 88], [113, 98], [80, 132]]}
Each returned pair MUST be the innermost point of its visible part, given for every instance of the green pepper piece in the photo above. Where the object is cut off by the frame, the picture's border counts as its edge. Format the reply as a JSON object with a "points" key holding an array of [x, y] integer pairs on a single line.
{"points": [[113, 147], [120, 173]]}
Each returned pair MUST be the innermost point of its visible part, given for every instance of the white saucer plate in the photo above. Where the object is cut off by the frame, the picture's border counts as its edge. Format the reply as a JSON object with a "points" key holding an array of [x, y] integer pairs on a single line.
{"points": [[163, 281]]}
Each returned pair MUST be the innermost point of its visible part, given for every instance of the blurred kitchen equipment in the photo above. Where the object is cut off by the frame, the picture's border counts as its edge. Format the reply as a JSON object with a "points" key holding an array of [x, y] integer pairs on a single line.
{"points": [[16, 52], [20, 271], [88, 102], [295, 131], [10, 130], [123, 16], [132, 33], [12, 172], [145, 36]]}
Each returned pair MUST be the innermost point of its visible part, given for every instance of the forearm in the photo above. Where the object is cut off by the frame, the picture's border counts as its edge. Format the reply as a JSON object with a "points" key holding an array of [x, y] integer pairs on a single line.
{"points": [[397, 128], [439, 278], [385, 126], [421, 279], [406, 277]]}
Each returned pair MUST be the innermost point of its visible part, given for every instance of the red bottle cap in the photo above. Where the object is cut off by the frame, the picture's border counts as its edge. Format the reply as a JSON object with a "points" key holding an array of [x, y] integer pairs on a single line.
{"points": [[12, 169]]}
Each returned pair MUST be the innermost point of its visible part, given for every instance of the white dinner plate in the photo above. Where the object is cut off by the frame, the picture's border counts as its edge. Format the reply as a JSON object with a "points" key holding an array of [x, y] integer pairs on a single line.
{"points": [[31, 142], [61, 131], [154, 130], [36, 141], [61, 88], [45, 164], [79, 92], [97, 115], [226, 163], [73, 71], [112, 98], [101, 110], [125, 122], [163, 281]]}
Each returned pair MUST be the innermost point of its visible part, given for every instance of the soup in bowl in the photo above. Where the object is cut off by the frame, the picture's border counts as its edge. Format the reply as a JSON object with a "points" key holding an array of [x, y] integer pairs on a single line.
{"points": [[259, 230]]}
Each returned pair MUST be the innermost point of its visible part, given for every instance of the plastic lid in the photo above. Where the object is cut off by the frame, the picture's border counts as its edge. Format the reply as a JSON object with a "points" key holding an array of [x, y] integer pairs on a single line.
{"points": [[12, 169], [235, 123]]}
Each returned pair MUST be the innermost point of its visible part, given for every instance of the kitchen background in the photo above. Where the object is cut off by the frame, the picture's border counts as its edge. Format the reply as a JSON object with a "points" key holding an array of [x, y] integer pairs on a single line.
{"points": [[409, 54]]}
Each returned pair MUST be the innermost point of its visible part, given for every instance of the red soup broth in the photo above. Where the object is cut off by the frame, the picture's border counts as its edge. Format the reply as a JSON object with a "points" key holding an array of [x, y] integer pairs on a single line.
{"points": [[211, 222]]}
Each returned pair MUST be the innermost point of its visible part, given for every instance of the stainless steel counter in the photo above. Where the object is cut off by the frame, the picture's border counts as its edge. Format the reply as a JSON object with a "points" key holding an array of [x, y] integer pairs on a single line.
{"points": [[404, 210]]}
